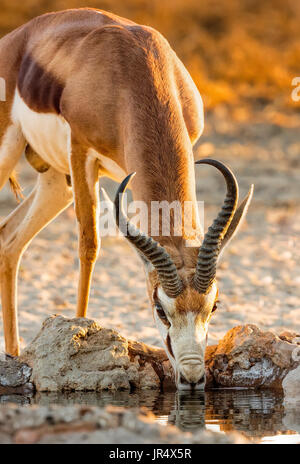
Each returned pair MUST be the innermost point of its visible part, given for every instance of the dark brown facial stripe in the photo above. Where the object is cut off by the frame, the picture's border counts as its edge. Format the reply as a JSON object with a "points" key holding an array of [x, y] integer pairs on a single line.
{"points": [[169, 346], [38, 88]]}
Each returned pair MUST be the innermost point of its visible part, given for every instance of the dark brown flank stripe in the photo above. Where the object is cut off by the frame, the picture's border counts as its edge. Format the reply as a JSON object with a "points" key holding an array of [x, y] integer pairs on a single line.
{"points": [[40, 90]]}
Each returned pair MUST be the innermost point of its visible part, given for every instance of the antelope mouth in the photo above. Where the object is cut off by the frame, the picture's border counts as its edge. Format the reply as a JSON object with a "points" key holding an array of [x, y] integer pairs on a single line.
{"points": [[183, 384]]}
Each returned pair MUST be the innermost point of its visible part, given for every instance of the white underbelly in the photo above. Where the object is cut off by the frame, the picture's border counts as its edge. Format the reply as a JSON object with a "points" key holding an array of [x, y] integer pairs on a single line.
{"points": [[48, 134]]}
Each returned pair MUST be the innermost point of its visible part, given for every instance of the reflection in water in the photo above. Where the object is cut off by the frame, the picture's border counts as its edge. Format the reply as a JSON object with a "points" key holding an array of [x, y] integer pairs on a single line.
{"points": [[20, 400], [188, 410], [253, 413]]}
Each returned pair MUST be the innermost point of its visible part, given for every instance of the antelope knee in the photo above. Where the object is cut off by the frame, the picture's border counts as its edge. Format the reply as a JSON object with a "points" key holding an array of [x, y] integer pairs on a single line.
{"points": [[9, 255]]}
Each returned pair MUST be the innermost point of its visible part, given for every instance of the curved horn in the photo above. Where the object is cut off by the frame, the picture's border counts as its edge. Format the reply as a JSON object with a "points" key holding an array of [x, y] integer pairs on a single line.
{"points": [[211, 246], [149, 248]]}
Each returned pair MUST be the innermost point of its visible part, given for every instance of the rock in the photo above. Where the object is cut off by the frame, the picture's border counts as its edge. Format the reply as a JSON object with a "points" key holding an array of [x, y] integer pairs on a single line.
{"points": [[291, 337], [14, 376], [291, 387], [92, 424], [78, 354], [250, 357]]}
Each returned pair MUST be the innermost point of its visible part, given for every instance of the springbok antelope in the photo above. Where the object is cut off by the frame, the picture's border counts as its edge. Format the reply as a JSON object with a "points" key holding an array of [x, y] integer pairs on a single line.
{"points": [[91, 94]]}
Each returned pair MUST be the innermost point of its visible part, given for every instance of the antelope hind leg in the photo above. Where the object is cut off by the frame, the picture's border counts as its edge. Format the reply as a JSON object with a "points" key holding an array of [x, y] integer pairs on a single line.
{"points": [[50, 196]]}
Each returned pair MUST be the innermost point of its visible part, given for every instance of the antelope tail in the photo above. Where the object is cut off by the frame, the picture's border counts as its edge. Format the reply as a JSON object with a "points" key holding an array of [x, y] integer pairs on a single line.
{"points": [[15, 186]]}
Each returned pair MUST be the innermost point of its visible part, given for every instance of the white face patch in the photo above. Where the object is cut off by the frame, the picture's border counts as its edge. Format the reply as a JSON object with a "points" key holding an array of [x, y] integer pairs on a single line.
{"points": [[187, 336], [48, 134], [168, 303]]}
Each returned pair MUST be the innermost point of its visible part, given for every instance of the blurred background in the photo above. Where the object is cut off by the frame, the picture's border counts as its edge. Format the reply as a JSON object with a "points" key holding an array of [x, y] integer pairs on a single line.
{"points": [[242, 55]]}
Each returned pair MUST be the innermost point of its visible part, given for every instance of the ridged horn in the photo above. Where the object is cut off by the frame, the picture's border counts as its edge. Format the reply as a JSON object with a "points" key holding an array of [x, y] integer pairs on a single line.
{"points": [[149, 248], [211, 245]]}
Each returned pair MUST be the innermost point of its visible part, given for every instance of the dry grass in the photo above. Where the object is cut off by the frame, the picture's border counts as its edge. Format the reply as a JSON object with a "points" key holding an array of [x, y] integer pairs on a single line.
{"points": [[241, 53]]}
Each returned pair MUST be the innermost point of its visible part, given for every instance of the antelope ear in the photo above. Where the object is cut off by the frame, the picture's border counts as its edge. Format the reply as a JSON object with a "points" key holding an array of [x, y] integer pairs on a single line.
{"points": [[237, 219]]}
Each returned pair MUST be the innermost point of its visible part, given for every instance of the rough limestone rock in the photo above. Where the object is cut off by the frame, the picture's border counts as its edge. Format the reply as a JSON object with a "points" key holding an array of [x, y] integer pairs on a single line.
{"points": [[78, 354], [249, 357], [14, 376], [92, 424]]}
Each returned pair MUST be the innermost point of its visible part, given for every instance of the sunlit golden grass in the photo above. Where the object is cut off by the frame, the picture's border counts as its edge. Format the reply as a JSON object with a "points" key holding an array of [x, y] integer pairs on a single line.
{"points": [[239, 52]]}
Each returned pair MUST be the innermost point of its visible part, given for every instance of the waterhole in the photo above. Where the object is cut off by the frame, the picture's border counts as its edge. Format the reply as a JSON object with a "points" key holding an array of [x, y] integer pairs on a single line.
{"points": [[259, 415]]}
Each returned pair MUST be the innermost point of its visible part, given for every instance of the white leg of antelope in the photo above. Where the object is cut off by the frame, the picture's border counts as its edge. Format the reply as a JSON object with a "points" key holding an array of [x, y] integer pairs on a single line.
{"points": [[85, 174], [50, 196]]}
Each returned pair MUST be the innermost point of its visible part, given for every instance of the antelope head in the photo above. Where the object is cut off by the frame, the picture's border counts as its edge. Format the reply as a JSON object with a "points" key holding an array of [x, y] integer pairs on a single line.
{"points": [[183, 300]]}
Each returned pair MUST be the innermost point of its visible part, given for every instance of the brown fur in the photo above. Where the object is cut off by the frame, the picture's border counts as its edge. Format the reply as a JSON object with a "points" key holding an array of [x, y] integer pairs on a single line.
{"points": [[39, 89], [124, 94], [137, 70], [35, 160], [192, 301]]}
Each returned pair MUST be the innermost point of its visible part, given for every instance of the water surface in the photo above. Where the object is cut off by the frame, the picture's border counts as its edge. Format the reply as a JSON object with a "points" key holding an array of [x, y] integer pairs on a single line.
{"points": [[259, 415]]}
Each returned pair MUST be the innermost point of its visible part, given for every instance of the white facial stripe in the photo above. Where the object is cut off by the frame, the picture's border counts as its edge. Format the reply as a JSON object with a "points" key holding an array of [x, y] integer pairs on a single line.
{"points": [[210, 298], [163, 330], [161, 326], [168, 303]]}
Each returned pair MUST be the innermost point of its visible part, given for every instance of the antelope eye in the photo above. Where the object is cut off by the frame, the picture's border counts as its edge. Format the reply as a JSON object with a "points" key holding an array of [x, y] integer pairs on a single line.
{"points": [[161, 313], [215, 306]]}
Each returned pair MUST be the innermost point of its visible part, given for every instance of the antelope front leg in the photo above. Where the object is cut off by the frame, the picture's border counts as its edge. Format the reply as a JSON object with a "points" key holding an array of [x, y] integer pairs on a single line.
{"points": [[84, 174]]}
